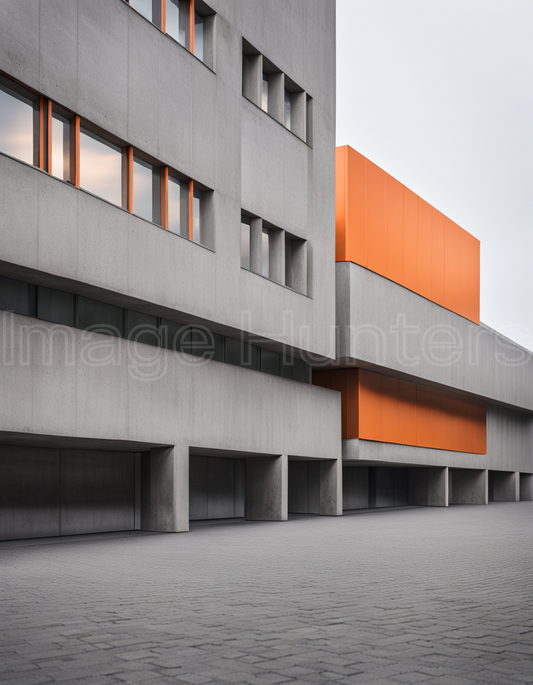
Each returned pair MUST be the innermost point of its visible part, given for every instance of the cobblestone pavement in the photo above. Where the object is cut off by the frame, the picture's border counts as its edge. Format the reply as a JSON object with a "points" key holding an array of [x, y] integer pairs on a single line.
{"points": [[406, 596]]}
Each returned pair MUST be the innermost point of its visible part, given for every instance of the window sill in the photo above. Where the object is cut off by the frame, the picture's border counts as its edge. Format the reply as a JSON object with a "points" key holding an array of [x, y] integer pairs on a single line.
{"points": [[277, 122], [281, 285]]}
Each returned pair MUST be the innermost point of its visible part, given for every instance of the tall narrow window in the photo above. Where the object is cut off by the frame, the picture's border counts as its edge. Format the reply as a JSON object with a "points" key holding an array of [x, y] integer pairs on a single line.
{"points": [[19, 125], [199, 36], [264, 94], [245, 243], [265, 245], [60, 147], [100, 167], [178, 206], [146, 179], [196, 216], [287, 109], [177, 21]]}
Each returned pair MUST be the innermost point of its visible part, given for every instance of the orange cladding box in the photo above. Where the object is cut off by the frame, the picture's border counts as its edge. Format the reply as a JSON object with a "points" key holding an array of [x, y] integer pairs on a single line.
{"points": [[384, 409], [385, 227]]}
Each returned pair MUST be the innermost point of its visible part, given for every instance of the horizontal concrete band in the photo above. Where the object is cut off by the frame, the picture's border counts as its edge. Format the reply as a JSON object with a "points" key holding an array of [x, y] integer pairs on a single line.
{"points": [[388, 328]]}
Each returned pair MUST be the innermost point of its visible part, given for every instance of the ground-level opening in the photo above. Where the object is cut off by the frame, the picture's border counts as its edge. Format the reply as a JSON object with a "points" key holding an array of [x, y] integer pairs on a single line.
{"points": [[374, 487], [216, 488], [503, 486], [526, 487], [47, 492]]}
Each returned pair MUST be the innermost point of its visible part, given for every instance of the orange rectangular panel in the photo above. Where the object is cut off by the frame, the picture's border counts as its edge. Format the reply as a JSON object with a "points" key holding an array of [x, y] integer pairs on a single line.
{"points": [[369, 405], [424, 248], [390, 409], [376, 234], [410, 240], [424, 427], [407, 241], [356, 202], [407, 413], [394, 229], [352, 403], [438, 419], [451, 249], [437, 258], [341, 203]]}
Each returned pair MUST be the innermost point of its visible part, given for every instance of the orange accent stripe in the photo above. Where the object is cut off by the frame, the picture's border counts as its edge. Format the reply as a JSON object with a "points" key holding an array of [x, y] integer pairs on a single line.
{"points": [[191, 25], [130, 179], [164, 16], [75, 151], [164, 197], [191, 195], [41, 133], [384, 409], [49, 136], [383, 226]]}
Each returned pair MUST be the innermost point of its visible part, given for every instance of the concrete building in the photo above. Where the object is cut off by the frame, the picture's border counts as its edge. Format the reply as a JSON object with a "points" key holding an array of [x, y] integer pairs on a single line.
{"points": [[178, 309]]}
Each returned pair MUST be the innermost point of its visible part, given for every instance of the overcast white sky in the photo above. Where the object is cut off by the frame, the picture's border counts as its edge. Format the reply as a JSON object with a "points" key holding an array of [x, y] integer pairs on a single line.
{"points": [[439, 93]]}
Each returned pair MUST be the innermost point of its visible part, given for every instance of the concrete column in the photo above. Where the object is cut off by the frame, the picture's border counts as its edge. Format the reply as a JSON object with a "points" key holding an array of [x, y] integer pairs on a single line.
{"points": [[256, 246], [267, 488], [438, 495], [470, 486], [516, 475], [526, 487], [165, 489], [331, 487]]}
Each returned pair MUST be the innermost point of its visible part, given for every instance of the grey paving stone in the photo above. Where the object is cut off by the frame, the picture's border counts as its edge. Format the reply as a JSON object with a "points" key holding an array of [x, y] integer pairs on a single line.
{"points": [[434, 596]]}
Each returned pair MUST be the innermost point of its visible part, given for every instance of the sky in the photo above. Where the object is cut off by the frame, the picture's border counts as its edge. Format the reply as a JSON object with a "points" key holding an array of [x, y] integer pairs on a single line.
{"points": [[439, 93]]}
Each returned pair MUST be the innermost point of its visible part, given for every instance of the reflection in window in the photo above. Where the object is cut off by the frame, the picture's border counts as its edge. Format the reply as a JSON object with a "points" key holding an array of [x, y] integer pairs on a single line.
{"points": [[145, 190], [144, 7], [177, 21], [196, 218], [199, 36], [60, 147], [17, 125], [100, 168], [264, 93], [245, 243], [178, 206], [287, 109], [265, 245]]}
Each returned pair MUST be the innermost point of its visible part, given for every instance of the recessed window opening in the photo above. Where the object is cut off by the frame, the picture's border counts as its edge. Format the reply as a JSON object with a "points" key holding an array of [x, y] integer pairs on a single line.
{"points": [[60, 147], [146, 190], [178, 22], [245, 243], [178, 206], [100, 167], [196, 217], [150, 9], [265, 245], [199, 36], [264, 93], [287, 110], [19, 125]]}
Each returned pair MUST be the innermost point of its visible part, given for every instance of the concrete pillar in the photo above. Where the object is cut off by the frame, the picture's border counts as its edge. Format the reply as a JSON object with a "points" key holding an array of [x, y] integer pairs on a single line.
{"points": [[469, 486], [331, 487], [516, 486], [526, 487], [267, 488], [165, 489]]}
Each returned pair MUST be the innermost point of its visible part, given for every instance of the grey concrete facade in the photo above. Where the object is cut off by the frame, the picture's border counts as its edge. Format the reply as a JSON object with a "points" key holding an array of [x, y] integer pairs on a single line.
{"points": [[169, 411]]}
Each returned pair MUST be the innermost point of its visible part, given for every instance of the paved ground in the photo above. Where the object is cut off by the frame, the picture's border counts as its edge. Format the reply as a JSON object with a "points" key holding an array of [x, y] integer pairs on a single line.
{"points": [[407, 596]]}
